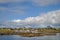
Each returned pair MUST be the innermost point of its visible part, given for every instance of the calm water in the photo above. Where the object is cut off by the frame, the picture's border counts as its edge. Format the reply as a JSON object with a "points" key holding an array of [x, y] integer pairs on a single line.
{"points": [[15, 37]]}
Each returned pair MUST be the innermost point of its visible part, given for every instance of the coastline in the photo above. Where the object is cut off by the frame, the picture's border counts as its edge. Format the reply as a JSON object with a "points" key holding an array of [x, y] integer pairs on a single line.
{"points": [[29, 32]]}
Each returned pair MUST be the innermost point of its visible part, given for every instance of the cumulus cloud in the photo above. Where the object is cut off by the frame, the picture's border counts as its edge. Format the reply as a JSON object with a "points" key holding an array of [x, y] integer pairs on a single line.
{"points": [[50, 18]]}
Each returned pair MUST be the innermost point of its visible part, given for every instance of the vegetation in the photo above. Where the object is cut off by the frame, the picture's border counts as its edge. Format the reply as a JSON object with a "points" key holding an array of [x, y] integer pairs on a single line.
{"points": [[29, 32]]}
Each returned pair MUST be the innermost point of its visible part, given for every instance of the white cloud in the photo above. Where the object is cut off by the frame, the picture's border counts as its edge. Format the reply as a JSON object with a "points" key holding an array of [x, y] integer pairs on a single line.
{"points": [[45, 2], [16, 20], [50, 18]]}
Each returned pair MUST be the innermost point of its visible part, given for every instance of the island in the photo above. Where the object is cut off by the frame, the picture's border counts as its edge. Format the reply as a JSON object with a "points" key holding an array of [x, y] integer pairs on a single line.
{"points": [[29, 32]]}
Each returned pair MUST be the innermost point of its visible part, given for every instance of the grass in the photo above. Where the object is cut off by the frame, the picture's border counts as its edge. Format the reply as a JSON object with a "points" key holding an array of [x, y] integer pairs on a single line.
{"points": [[41, 31]]}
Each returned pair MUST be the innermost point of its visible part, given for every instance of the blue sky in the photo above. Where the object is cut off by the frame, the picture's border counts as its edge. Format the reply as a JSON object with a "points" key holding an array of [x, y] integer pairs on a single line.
{"points": [[23, 9]]}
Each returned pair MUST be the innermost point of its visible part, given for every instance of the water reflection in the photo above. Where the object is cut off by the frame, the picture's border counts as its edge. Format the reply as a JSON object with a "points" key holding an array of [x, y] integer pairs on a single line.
{"points": [[16, 37]]}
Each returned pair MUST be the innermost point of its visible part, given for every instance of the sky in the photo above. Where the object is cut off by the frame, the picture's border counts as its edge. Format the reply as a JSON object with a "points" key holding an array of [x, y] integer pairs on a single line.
{"points": [[30, 13]]}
